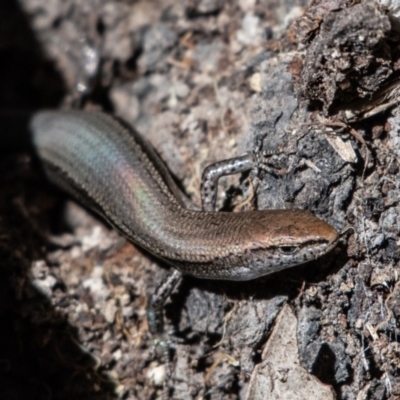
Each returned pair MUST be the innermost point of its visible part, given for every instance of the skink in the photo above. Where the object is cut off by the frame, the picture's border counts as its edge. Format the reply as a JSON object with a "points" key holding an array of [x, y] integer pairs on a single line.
{"points": [[112, 170]]}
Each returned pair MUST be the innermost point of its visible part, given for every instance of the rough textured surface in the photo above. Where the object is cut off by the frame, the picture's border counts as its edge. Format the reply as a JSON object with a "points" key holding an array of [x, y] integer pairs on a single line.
{"points": [[203, 81], [350, 57], [280, 374]]}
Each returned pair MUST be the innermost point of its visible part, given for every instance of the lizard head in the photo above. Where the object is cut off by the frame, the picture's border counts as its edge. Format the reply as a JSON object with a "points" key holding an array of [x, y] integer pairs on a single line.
{"points": [[280, 239]]}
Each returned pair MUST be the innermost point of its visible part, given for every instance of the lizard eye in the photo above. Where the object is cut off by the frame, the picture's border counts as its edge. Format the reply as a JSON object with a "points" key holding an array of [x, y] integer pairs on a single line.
{"points": [[287, 250]]}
